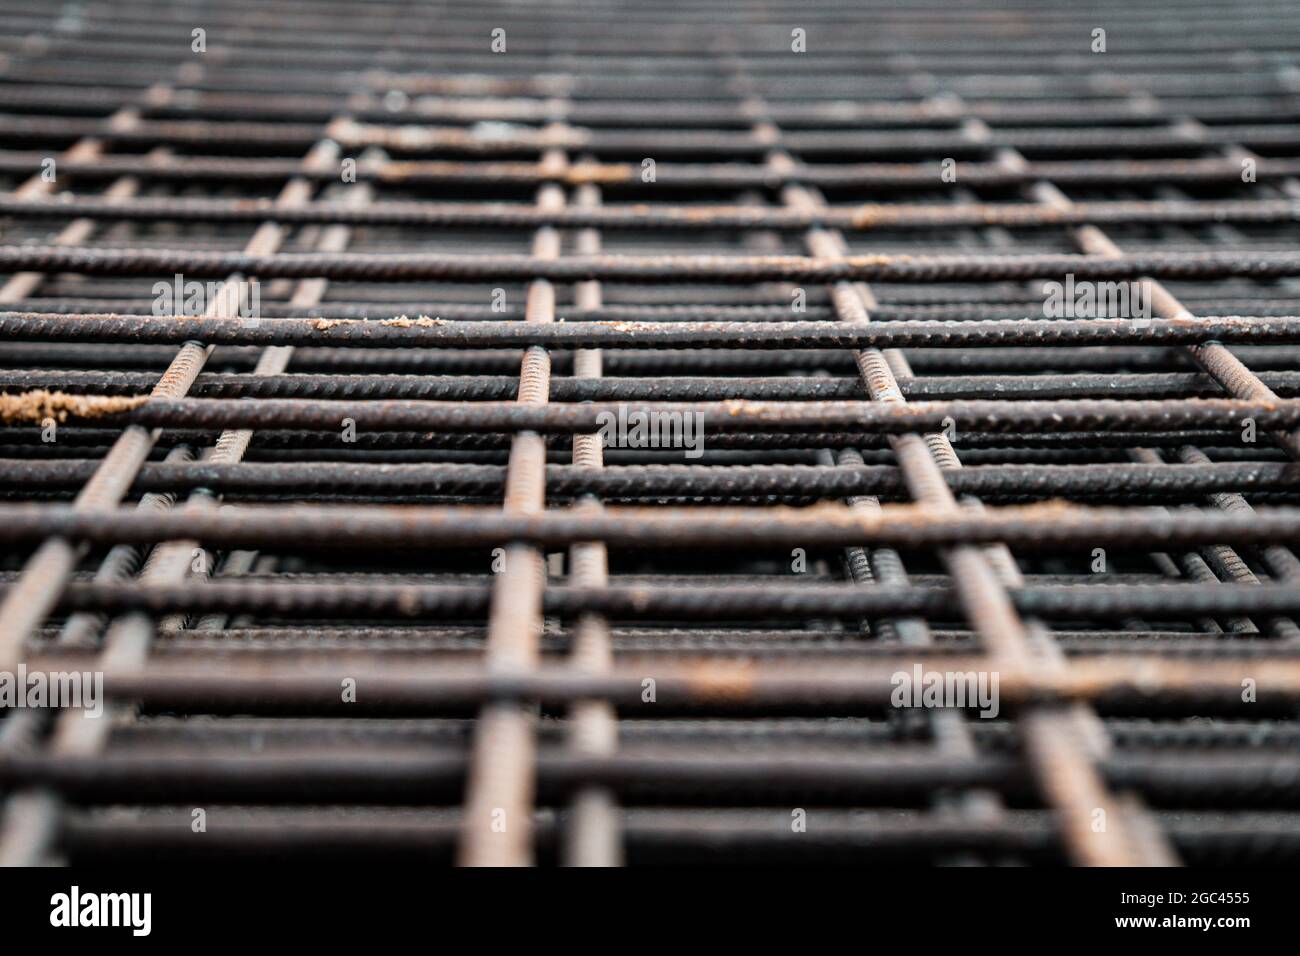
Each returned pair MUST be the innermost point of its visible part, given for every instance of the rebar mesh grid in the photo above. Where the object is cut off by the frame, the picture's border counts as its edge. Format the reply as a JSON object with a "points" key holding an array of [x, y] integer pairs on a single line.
{"points": [[367, 572]]}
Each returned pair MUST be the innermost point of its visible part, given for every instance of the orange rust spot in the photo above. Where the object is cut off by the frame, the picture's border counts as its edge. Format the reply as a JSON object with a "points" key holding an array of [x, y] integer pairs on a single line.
{"points": [[722, 680], [403, 322], [866, 217], [598, 173], [876, 260], [40, 404], [409, 604], [631, 328]]}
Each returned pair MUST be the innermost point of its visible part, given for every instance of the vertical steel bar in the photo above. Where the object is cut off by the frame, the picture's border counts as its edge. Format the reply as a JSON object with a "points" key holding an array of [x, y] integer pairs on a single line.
{"points": [[498, 818]]}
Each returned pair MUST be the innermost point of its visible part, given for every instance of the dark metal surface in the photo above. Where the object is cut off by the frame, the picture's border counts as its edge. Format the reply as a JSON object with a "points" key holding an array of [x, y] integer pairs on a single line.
{"points": [[364, 574]]}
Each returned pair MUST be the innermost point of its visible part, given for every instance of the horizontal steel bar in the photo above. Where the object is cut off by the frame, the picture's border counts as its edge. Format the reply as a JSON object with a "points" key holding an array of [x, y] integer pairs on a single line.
{"points": [[411, 267], [1139, 684], [665, 364], [1044, 526], [334, 776], [650, 481], [659, 216], [1086, 172], [1068, 446], [696, 603], [663, 834], [288, 645], [608, 388], [668, 424], [430, 332]]}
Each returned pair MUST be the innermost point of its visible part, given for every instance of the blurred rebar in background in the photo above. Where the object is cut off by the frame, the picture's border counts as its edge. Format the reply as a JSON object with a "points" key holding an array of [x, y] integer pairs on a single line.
{"points": [[685, 432]]}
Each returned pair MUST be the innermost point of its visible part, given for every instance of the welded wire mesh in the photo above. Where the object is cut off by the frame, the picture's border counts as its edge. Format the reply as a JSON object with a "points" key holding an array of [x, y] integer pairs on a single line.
{"points": [[607, 432]]}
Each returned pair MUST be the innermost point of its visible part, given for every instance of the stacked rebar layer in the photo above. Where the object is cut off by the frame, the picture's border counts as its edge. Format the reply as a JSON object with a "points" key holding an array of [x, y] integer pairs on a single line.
{"points": [[588, 432]]}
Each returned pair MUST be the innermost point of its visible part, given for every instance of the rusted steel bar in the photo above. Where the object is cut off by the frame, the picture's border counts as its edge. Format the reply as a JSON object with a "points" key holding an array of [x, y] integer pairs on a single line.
{"points": [[708, 684], [1029, 526], [430, 331], [594, 838], [503, 215], [342, 776], [496, 830], [490, 387], [1229, 415], [127, 639], [411, 267], [730, 201], [1099, 172]]}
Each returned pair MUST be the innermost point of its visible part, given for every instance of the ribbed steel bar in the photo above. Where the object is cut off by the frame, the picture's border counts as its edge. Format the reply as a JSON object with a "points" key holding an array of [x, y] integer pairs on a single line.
{"points": [[711, 684], [432, 331], [33, 814], [1059, 752], [47, 567], [499, 792], [863, 175], [518, 216], [1038, 526], [823, 233], [1212, 356], [866, 565], [880, 176], [1230, 415], [594, 837], [411, 267], [25, 815], [611, 388]]}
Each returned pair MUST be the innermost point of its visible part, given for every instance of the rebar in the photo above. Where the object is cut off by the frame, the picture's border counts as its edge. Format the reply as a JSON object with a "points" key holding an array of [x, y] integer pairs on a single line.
{"points": [[577, 434]]}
